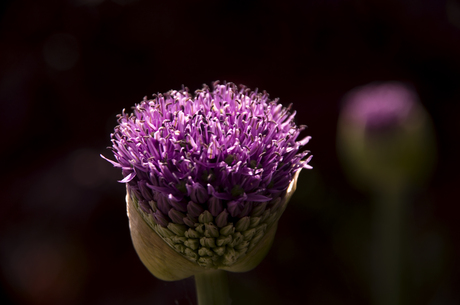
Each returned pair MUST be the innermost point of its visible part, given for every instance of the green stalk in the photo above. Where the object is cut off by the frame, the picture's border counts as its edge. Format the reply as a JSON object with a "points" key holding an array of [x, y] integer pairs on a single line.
{"points": [[212, 287], [387, 247]]}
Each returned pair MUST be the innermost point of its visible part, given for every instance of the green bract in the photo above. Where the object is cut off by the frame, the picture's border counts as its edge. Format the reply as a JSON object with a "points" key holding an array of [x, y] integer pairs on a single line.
{"points": [[174, 253]]}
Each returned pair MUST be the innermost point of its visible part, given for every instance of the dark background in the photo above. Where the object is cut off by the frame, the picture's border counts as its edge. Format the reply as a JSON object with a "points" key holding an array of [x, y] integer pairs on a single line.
{"points": [[68, 67]]}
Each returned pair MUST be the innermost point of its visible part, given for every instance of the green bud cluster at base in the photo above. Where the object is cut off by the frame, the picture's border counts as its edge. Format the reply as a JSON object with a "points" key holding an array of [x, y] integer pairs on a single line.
{"points": [[213, 247], [177, 251]]}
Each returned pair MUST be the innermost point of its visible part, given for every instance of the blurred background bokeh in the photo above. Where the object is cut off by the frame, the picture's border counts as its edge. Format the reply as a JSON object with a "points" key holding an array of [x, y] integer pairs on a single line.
{"points": [[67, 67]]}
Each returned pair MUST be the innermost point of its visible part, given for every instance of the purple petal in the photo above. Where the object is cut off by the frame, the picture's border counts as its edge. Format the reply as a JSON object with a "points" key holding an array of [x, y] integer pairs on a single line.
{"points": [[257, 198], [215, 206], [160, 218], [234, 207], [116, 164], [223, 196], [304, 141], [176, 216], [189, 222], [224, 142], [128, 178], [247, 208], [180, 206], [222, 219], [194, 209], [197, 192], [163, 204]]}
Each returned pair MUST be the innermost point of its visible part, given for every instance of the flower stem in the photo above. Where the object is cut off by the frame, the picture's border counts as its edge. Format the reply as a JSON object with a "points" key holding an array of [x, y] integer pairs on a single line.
{"points": [[388, 238], [212, 288]]}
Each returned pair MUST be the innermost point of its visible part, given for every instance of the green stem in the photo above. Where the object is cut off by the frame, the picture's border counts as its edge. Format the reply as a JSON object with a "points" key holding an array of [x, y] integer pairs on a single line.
{"points": [[212, 288], [387, 243]]}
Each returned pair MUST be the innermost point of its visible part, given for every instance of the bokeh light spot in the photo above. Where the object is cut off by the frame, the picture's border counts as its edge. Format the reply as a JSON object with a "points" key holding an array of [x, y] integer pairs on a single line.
{"points": [[61, 51]]}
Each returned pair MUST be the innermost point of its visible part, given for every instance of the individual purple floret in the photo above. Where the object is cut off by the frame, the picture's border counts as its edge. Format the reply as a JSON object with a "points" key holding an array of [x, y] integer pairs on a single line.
{"points": [[213, 158]]}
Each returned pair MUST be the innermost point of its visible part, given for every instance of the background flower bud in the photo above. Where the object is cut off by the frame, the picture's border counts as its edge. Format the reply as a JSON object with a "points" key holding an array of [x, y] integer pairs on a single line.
{"points": [[385, 137]]}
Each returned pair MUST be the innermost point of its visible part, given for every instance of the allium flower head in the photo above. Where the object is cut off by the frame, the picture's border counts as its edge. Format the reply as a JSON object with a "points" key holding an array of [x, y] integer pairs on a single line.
{"points": [[209, 172]]}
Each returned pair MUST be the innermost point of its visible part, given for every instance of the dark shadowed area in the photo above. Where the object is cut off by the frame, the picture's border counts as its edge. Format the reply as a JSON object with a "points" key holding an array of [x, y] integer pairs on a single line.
{"points": [[67, 67]]}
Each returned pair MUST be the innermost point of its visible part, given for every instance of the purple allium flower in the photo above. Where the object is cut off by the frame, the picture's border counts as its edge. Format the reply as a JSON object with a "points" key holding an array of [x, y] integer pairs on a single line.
{"points": [[209, 172], [385, 136], [380, 106]]}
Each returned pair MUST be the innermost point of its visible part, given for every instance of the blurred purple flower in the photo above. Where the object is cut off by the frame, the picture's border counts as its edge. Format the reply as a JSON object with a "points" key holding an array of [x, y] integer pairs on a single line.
{"points": [[385, 137], [380, 106]]}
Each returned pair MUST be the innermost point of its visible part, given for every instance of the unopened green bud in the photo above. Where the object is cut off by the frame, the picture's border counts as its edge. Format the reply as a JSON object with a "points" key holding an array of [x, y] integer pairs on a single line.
{"points": [[192, 243], [258, 209], [219, 250], [211, 230], [244, 244], [224, 240], [254, 222], [177, 228], [249, 234], [190, 233], [158, 256], [227, 230], [243, 224], [205, 217], [205, 252], [208, 242]]}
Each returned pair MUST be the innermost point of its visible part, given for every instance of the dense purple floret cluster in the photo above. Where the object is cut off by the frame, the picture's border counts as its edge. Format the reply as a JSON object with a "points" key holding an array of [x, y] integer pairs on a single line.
{"points": [[223, 150]]}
